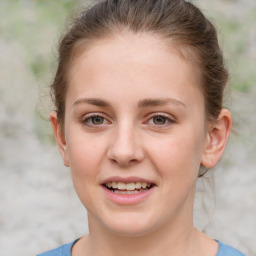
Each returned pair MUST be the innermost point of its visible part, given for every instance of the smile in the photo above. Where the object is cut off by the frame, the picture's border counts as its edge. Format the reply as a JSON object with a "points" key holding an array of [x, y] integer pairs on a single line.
{"points": [[128, 188]]}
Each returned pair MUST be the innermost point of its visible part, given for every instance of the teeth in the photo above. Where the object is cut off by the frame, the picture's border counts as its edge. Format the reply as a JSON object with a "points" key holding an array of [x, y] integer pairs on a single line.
{"points": [[138, 185], [144, 185], [114, 184], [132, 186], [126, 192], [121, 186]]}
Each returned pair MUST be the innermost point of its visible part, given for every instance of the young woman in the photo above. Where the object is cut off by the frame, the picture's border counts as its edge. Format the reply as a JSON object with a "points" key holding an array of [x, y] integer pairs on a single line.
{"points": [[139, 117]]}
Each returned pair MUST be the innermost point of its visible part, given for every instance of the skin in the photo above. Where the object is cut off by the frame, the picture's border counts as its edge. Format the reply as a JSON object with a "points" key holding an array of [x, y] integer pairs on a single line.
{"points": [[134, 79]]}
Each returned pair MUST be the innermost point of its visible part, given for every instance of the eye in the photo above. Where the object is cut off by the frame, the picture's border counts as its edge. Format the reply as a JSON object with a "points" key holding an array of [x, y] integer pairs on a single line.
{"points": [[97, 120], [160, 120], [94, 120]]}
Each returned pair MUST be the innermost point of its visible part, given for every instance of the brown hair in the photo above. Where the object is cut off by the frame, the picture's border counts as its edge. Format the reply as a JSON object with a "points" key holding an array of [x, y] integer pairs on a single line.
{"points": [[176, 21]]}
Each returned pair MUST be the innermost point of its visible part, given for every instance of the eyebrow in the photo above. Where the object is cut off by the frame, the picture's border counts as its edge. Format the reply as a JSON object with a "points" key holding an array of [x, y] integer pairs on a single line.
{"points": [[141, 104], [92, 101], [159, 102]]}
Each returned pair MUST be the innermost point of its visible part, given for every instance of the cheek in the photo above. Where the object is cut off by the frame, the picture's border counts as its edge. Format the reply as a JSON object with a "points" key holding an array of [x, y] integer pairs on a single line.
{"points": [[178, 164], [85, 156], [178, 157]]}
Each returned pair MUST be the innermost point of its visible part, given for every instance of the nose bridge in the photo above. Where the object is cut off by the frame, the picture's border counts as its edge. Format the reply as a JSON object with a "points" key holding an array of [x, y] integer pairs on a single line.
{"points": [[125, 147]]}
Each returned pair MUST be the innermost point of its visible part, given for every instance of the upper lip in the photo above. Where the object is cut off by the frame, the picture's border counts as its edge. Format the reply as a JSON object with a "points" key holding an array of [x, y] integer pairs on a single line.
{"points": [[126, 180]]}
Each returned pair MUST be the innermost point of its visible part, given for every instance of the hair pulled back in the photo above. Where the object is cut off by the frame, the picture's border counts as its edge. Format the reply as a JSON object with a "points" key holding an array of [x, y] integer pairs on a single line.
{"points": [[178, 22]]}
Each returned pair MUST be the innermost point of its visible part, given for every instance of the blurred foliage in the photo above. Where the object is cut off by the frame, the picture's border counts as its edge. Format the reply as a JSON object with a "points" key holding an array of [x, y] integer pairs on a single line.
{"points": [[239, 39], [36, 25]]}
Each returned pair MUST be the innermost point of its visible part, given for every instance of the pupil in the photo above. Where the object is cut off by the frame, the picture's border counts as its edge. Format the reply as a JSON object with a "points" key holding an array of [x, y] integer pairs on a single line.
{"points": [[97, 120], [159, 120]]}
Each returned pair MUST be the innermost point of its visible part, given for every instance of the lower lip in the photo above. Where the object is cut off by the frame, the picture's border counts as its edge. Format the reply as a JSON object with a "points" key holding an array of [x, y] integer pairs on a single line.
{"points": [[128, 199]]}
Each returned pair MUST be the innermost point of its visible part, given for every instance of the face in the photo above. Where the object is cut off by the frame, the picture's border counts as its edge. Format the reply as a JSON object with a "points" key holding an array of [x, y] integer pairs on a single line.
{"points": [[135, 134]]}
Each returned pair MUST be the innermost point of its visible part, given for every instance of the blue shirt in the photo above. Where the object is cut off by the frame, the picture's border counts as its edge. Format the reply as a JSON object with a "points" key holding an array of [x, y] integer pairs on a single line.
{"points": [[65, 250]]}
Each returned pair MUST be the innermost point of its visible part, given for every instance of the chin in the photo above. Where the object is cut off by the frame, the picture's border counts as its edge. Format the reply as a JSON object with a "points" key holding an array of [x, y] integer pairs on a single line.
{"points": [[131, 225]]}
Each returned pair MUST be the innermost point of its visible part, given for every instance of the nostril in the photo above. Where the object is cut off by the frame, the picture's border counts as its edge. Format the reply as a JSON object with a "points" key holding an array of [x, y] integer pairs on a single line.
{"points": [[113, 161], [133, 161], [124, 162]]}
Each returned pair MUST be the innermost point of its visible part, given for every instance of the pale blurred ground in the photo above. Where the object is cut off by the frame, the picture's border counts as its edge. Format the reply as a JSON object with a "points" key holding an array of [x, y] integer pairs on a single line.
{"points": [[39, 209]]}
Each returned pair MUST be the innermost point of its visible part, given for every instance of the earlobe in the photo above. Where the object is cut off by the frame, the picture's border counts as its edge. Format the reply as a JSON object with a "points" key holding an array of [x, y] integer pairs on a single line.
{"points": [[217, 139], [59, 136]]}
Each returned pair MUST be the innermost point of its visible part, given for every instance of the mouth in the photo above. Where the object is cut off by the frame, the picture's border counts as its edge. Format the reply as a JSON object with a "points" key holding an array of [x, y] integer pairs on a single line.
{"points": [[128, 188]]}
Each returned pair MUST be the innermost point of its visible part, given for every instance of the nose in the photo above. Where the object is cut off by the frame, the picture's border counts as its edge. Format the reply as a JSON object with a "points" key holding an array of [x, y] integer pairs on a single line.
{"points": [[125, 146]]}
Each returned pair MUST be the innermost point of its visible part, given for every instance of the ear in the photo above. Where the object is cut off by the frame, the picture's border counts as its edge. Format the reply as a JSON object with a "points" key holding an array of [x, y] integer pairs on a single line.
{"points": [[59, 136], [217, 137]]}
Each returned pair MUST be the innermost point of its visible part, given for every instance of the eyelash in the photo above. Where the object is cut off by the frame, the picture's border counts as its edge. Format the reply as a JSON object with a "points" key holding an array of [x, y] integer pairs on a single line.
{"points": [[89, 123], [88, 120], [168, 120]]}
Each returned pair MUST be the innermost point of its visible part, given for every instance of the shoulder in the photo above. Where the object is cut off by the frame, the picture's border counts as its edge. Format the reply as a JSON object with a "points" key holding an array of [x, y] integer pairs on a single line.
{"points": [[226, 250], [64, 250]]}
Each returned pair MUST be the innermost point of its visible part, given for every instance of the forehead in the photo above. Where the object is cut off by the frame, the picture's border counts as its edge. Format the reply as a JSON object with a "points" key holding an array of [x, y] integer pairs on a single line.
{"points": [[133, 62]]}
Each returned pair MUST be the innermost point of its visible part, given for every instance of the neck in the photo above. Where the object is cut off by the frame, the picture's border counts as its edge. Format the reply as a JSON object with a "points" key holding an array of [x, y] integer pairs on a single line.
{"points": [[178, 237], [172, 239]]}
